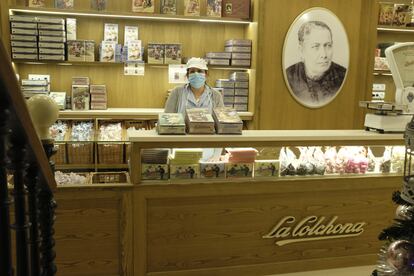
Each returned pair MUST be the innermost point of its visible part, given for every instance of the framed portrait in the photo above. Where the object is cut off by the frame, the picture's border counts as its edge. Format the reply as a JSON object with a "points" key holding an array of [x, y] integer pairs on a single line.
{"points": [[315, 57]]}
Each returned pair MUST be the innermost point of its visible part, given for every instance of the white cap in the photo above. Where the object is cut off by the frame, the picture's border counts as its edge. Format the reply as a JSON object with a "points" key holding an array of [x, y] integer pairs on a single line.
{"points": [[198, 63]]}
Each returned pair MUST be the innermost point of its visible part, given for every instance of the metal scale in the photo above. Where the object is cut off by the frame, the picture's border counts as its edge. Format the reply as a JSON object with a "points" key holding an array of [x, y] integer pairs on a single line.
{"points": [[393, 117]]}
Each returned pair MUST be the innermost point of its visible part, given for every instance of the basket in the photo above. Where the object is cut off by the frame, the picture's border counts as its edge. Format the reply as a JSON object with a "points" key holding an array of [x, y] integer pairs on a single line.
{"points": [[151, 124], [111, 152], [110, 177], [80, 153], [60, 156]]}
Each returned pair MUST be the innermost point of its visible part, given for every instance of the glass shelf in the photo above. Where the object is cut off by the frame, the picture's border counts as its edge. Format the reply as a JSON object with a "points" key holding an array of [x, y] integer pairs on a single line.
{"points": [[125, 15]]}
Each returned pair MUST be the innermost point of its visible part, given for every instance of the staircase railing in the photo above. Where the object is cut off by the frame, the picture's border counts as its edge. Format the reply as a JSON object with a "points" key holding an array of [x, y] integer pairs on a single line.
{"points": [[26, 158]]}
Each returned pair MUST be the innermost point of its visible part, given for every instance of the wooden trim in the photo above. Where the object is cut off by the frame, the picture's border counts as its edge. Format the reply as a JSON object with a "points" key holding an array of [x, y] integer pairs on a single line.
{"points": [[126, 226]]}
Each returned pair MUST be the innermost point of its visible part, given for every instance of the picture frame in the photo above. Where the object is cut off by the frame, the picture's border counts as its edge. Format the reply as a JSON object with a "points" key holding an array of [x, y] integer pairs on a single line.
{"points": [[315, 58]]}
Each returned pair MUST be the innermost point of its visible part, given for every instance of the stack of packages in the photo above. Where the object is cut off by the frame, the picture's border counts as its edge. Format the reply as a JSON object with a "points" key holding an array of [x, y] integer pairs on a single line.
{"points": [[52, 38], [109, 49], [23, 38], [80, 93], [98, 96], [184, 163], [226, 87], [218, 58], [31, 87], [154, 164], [171, 123], [227, 121], [268, 165], [132, 49], [240, 162], [240, 50], [241, 90], [159, 53], [199, 121]]}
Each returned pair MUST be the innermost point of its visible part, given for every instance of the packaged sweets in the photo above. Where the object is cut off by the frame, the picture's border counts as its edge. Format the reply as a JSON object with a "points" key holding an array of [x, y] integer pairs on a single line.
{"points": [[185, 171], [212, 169], [168, 7], [265, 168], [154, 171], [239, 170], [192, 7]]}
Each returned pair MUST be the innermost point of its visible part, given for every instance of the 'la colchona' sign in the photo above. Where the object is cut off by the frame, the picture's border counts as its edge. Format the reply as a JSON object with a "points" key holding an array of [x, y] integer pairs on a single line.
{"points": [[312, 228]]}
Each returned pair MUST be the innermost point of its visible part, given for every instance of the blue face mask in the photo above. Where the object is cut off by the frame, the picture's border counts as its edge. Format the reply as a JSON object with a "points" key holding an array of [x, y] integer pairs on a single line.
{"points": [[197, 80]]}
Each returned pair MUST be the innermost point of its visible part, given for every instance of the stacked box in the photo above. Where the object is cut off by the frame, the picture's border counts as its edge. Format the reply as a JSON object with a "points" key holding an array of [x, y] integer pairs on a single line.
{"points": [[71, 28], [81, 50], [227, 121], [171, 123], [218, 58], [31, 87], [80, 93], [240, 50], [98, 96], [52, 38], [23, 37], [227, 87], [241, 90]]}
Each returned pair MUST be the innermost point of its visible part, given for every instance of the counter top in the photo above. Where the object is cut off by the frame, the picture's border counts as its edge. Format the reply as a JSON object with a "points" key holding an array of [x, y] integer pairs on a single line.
{"points": [[132, 113], [327, 137]]}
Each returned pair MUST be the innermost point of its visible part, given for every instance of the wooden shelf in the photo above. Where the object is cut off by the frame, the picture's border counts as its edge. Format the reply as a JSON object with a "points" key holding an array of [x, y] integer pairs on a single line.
{"points": [[382, 73], [127, 113], [125, 15], [99, 63], [395, 29]]}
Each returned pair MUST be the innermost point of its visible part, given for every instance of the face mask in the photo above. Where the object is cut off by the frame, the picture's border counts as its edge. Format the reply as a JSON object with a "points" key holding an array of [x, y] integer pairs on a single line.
{"points": [[197, 80]]}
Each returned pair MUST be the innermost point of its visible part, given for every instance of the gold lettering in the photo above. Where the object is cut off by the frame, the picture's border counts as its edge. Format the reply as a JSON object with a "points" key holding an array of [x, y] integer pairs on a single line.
{"points": [[272, 233], [301, 230]]}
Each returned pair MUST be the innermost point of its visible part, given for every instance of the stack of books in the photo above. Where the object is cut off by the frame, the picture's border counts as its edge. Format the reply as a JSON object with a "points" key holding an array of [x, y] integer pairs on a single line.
{"points": [[199, 121], [98, 96], [227, 121], [171, 123], [52, 38]]}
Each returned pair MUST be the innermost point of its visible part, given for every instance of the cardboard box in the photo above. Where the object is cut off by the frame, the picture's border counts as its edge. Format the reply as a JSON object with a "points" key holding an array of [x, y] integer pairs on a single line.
{"points": [[154, 171], [189, 171], [266, 168], [236, 9], [239, 170]]}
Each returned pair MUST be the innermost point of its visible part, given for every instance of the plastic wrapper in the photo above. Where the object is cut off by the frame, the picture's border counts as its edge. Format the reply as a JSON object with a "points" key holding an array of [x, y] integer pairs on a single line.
{"points": [[330, 160], [82, 131], [110, 132], [319, 161], [385, 166], [397, 159], [58, 131]]}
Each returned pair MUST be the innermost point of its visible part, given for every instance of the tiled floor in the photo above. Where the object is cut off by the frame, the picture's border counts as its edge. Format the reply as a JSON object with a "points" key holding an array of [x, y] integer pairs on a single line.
{"points": [[348, 271]]}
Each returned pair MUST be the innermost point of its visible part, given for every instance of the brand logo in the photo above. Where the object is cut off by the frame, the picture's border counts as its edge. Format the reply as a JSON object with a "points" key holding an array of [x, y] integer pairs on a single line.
{"points": [[312, 228]]}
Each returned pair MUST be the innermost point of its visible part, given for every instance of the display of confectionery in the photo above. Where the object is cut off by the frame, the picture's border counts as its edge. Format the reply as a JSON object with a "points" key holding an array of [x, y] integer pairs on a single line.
{"points": [[58, 130], [70, 178], [82, 131], [110, 132]]}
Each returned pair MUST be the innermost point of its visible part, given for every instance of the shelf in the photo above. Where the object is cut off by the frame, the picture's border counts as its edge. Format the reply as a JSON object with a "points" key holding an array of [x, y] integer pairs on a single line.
{"points": [[126, 113], [382, 73], [396, 29], [125, 15], [271, 137], [98, 63]]}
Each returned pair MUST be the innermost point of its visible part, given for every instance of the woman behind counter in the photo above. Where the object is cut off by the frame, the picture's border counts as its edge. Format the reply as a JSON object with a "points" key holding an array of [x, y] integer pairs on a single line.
{"points": [[196, 93]]}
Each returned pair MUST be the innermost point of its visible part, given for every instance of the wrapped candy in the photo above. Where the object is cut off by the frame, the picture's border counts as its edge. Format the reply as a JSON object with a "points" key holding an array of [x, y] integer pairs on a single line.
{"points": [[397, 159], [292, 162], [82, 131], [371, 161], [330, 159], [319, 161], [283, 162], [385, 166], [70, 178], [110, 132], [58, 130], [306, 166]]}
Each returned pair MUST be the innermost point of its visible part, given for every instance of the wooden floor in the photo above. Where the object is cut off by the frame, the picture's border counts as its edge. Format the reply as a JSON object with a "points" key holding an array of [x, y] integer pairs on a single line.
{"points": [[347, 271]]}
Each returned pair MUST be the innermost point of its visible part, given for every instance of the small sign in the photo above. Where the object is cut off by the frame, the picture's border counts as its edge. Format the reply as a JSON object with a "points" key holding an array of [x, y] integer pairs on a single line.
{"points": [[134, 69], [177, 73]]}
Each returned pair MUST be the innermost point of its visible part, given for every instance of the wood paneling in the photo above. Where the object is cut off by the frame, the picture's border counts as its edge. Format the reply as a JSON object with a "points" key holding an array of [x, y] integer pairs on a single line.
{"points": [[217, 228], [275, 107]]}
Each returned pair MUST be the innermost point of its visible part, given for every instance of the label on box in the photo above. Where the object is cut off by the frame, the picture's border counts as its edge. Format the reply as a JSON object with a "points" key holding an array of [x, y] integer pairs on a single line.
{"points": [[212, 169], [155, 53], [172, 54], [239, 170], [76, 50], [184, 171], [130, 33], [107, 53], [32, 38], [266, 168], [111, 32], [89, 50], [154, 171]]}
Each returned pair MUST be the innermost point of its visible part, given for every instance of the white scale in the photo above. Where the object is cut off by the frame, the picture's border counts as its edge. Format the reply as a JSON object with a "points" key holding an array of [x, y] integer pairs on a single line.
{"points": [[393, 117]]}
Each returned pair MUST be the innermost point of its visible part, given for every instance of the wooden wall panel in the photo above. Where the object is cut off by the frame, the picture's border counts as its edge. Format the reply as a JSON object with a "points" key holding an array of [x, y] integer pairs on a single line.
{"points": [[276, 108]]}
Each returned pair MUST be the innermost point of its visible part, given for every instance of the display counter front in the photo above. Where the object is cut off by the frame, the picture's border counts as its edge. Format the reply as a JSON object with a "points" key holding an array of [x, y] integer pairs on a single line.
{"points": [[257, 224]]}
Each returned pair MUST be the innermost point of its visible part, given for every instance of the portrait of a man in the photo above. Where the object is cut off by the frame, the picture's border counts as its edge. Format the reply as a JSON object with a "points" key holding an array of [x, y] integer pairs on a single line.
{"points": [[315, 78]]}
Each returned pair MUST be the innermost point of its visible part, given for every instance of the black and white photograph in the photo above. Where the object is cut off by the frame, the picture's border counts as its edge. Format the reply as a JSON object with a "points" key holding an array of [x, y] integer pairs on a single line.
{"points": [[315, 57]]}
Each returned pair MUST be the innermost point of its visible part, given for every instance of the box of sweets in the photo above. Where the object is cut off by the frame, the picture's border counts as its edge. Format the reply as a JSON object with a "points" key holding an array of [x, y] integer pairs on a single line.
{"points": [[52, 39], [241, 92], [89, 50], [76, 50], [154, 171], [51, 57], [236, 9], [214, 8], [143, 6], [155, 53], [23, 25], [189, 171], [22, 18], [30, 38], [80, 97], [52, 27], [24, 50], [222, 55], [134, 50], [192, 7], [23, 44], [111, 32], [172, 54], [171, 123], [215, 61], [64, 4], [107, 51], [241, 56], [241, 100], [99, 5], [52, 33], [228, 99], [224, 83], [240, 107], [36, 3], [265, 168], [239, 170], [130, 33], [51, 20], [52, 51], [240, 62], [212, 169], [241, 84], [239, 76], [238, 42], [237, 49], [25, 56], [228, 92], [51, 45], [168, 7], [71, 28], [80, 80], [16, 31]]}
